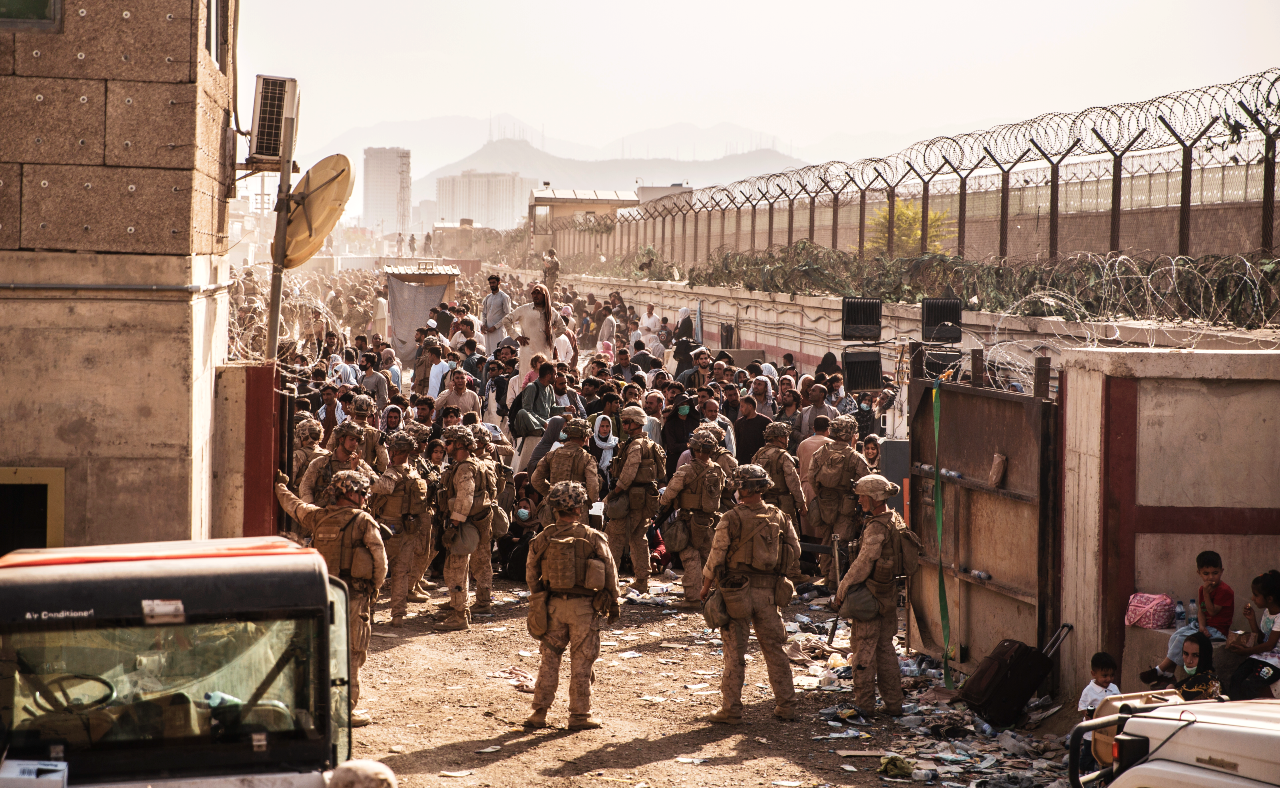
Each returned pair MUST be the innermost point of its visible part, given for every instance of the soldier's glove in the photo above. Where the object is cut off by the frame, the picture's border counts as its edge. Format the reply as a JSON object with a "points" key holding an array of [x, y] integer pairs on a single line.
{"points": [[281, 478]]}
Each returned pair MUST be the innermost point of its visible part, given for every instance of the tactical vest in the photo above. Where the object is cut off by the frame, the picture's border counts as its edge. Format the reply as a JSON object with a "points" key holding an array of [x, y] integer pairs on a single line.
{"points": [[568, 464], [306, 456], [480, 502], [772, 459], [564, 564], [409, 497], [369, 444], [321, 496], [701, 491], [758, 547], [653, 462], [334, 539], [833, 463], [727, 463]]}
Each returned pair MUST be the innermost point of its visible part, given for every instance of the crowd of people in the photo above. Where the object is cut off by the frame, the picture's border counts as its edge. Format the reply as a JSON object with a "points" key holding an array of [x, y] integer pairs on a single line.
{"points": [[525, 414]]}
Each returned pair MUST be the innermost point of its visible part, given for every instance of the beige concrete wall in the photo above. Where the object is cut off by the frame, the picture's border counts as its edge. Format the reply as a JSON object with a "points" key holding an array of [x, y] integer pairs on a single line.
{"points": [[1168, 563], [1231, 424], [227, 517], [1081, 524]]}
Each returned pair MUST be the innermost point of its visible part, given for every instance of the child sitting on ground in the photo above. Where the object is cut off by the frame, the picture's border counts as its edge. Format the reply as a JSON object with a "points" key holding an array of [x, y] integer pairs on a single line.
{"points": [[1103, 669], [1215, 603], [1256, 677]]}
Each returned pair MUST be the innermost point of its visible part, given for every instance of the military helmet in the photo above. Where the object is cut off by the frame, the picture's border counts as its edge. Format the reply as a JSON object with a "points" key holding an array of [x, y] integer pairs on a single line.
{"points": [[577, 428], [844, 428], [461, 436], [633, 413], [401, 441], [482, 436], [714, 430], [347, 429], [362, 405], [877, 487], [420, 432], [752, 478], [308, 428], [702, 441], [777, 430], [302, 416], [346, 483], [567, 496]]}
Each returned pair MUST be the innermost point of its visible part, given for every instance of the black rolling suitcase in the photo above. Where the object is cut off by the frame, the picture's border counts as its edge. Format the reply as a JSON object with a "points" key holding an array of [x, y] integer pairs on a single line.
{"points": [[1005, 680]]}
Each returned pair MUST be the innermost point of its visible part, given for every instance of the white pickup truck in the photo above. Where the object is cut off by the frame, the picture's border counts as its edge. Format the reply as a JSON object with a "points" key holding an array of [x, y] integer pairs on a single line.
{"points": [[1207, 743]]}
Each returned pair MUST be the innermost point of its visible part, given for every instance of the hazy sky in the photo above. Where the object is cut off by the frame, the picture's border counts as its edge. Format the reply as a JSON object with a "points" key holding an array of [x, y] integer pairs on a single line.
{"points": [[591, 72]]}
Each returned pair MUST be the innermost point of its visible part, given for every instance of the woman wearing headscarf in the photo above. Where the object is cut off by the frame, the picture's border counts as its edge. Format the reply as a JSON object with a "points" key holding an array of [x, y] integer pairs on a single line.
{"points": [[339, 373], [392, 420], [601, 446], [829, 364], [684, 419], [684, 326]]}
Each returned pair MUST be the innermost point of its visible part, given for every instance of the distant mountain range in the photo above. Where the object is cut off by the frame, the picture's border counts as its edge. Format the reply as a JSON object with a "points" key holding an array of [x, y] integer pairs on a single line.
{"points": [[518, 156]]}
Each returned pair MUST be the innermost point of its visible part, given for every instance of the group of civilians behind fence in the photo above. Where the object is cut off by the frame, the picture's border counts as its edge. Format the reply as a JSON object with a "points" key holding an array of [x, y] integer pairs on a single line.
{"points": [[1191, 646]]}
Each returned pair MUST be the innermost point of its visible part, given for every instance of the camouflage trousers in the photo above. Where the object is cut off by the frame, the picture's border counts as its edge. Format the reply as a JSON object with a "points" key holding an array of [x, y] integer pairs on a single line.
{"points": [[631, 532], [481, 562], [771, 635], [827, 516], [459, 569], [359, 629], [875, 663], [409, 565], [692, 559], [571, 622]]}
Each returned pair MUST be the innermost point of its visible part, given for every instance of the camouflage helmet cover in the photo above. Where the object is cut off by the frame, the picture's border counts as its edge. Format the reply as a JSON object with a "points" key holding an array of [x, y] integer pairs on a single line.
{"points": [[844, 428], [752, 478], [362, 405], [877, 487], [702, 441], [420, 432], [347, 430], [460, 435], [633, 413], [346, 483], [401, 441], [577, 428], [566, 496], [714, 430], [777, 430], [308, 428], [482, 435]]}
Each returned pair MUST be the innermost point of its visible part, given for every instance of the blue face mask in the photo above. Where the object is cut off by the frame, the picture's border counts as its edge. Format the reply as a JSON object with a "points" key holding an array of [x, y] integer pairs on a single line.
{"points": [[522, 515], [866, 406], [564, 436], [453, 365], [683, 410]]}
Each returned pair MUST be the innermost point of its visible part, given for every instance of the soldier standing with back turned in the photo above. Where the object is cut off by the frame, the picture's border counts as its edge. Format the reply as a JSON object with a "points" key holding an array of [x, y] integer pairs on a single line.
{"points": [[464, 498], [400, 503], [641, 467], [570, 462], [698, 485], [832, 473], [349, 540], [754, 555], [573, 585], [784, 490]]}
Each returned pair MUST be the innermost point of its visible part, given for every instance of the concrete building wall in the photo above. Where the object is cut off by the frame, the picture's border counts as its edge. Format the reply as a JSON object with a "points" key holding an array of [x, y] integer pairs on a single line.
{"points": [[387, 190], [495, 200], [116, 164]]}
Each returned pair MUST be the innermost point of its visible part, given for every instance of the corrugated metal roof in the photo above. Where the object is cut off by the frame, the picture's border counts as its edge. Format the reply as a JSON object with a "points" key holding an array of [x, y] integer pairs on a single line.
{"points": [[584, 196], [424, 267]]}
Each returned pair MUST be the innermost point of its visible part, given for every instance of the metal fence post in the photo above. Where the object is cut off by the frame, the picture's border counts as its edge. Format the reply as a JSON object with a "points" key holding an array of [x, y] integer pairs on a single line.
{"points": [[1184, 198], [1268, 179], [862, 222], [769, 245], [1053, 193], [1004, 197], [1117, 173]]}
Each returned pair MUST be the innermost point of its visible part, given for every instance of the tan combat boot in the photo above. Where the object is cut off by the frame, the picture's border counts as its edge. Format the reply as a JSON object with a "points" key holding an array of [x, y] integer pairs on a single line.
{"points": [[538, 720], [397, 621], [724, 716], [483, 603], [581, 722], [415, 597], [785, 713], [360, 718], [458, 620]]}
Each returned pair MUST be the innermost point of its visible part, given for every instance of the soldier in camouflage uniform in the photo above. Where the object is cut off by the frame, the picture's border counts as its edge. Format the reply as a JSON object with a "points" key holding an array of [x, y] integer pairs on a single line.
{"points": [[834, 469], [349, 540], [306, 437], [400, 503], [346, 440], [372, 449], [464, 498], [727, 463], [495, 482], [754, 554], [784, 491], [638, 468], [571, 462], [697, 486], [878, 565], [571, 572]]}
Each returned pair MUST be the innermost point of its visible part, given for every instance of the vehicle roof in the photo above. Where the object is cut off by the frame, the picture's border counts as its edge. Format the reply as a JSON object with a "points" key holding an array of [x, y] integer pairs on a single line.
{"points": [[1257, 713], [210, 577]]}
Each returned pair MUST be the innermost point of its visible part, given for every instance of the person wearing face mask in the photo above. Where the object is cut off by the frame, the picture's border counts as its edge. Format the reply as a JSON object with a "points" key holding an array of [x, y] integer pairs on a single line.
{"points": [[572, 463], [374, 382], [1201, 681], [866, 416], [677, 429]]}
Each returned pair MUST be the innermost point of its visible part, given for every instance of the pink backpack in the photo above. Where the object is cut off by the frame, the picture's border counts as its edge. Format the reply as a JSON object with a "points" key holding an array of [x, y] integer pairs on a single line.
{"points": [[1152, 611]]}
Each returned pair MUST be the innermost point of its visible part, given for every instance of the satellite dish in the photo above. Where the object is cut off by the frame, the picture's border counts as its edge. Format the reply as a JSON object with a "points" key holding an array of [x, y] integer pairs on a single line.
{"points": [[318, 202]]}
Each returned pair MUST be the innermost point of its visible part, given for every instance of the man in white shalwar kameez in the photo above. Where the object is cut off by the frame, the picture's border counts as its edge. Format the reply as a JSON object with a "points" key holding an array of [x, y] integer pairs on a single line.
{"points": [[535, 326]]}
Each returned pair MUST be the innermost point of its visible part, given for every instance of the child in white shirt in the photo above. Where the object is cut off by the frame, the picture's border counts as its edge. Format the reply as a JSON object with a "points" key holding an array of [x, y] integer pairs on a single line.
{"points": [[1103, 669]]}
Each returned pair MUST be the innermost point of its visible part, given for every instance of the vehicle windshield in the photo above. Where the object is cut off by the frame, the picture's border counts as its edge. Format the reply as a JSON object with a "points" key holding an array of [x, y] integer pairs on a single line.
{"points": [[115, 686]]}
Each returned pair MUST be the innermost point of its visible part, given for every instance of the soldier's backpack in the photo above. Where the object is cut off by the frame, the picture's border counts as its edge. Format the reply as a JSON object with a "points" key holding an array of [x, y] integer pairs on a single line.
{"points": [[908, 548], [564, 565], [761, 544], [832, 472]]}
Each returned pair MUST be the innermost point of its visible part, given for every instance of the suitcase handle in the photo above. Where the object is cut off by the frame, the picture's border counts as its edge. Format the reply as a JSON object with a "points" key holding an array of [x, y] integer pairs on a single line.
{"points": [[1058, 638]]}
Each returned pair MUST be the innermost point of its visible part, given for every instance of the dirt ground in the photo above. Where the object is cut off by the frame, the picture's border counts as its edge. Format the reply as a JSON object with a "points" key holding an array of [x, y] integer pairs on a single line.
{"points": [[434, 707]]}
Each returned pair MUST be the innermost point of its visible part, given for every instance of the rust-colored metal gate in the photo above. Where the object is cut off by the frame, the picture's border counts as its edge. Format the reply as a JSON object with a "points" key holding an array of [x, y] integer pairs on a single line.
{"points": [[999, 550]]}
